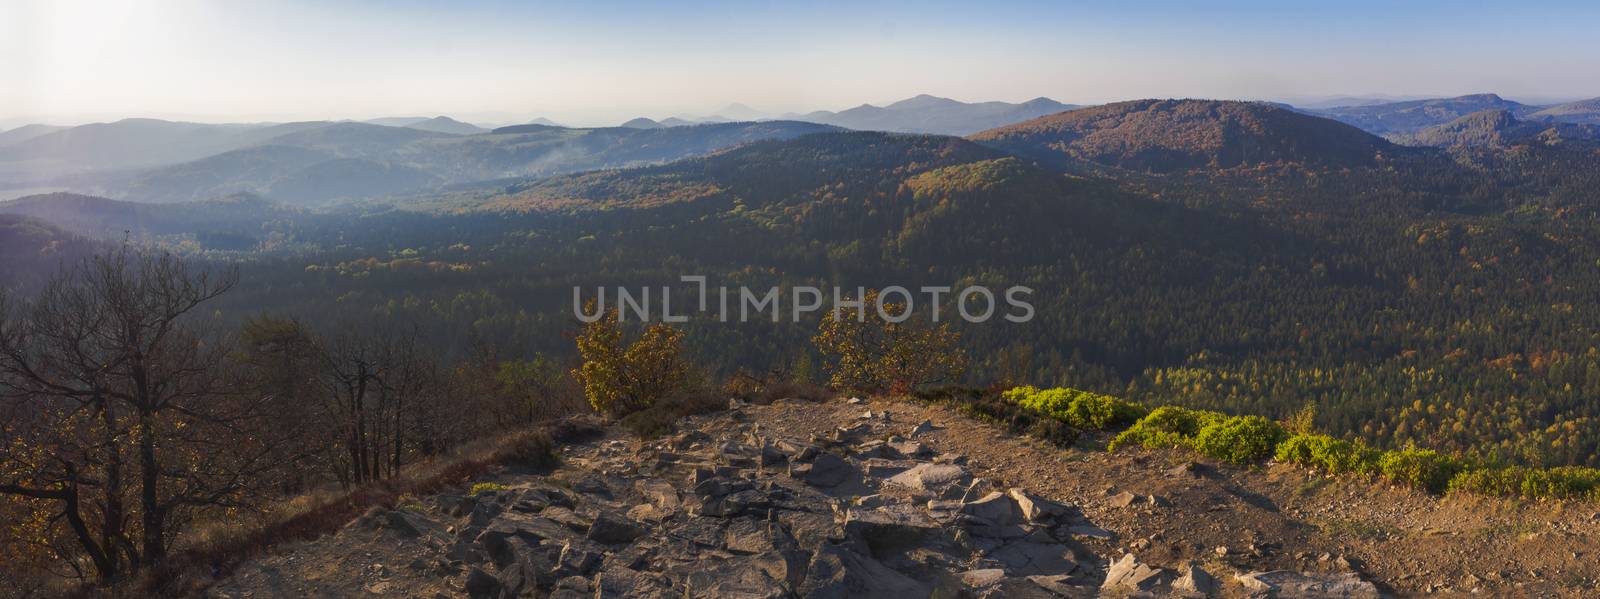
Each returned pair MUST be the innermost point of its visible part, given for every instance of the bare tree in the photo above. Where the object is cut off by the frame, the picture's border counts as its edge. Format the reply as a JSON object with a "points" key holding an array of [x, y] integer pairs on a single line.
{"points": [[115, 357]]}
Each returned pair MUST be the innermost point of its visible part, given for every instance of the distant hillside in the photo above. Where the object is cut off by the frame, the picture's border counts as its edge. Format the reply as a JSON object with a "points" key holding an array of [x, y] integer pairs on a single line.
{"points": [[359, 160], [139, 142], [1499, 128], [34, 250], [231, 223], [759, 173], [1175, 135], [444, 124], [1584, 111], [27, 132], [641, 123], [1415, 115], [929, 114]]}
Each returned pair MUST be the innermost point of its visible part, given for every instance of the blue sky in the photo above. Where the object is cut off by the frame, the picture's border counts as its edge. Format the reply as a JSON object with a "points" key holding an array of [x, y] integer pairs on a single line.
{"points": [[591, 62]]}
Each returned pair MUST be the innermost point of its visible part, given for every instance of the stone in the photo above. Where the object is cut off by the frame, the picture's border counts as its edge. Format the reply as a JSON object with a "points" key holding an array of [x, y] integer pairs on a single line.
{"points": [[977, 489], [1026, 558], [882, 468], [523, 575], [1035, 508], [480, 585], [835, 572], [890, 529], [829, 470], [853, 400], [578, 559], [658, 492], [1123, 499], [983, 578], [1284, 583], [611, 530], [922, 428], [624, 582], [1192, 580], [735, 579], [755, 536], [911, 449], [1089, 531], [996, 508], [1126, 574], [398, 523], [929, 477]]}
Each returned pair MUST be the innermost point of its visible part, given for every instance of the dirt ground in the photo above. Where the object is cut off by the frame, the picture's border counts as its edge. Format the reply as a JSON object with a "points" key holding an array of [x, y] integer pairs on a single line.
{"points": [[1230, 519]]}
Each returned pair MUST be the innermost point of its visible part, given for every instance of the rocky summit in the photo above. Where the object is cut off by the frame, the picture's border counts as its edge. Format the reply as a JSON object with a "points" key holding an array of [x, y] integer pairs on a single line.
{"points": [[732, 507]]}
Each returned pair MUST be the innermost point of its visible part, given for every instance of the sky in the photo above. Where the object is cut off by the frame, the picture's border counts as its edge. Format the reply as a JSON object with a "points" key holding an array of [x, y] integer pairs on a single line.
{"points": [[599, 62]]}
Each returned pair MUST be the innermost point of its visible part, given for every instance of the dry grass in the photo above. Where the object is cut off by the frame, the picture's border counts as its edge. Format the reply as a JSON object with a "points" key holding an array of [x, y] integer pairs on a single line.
{"points": [[216, 550]]}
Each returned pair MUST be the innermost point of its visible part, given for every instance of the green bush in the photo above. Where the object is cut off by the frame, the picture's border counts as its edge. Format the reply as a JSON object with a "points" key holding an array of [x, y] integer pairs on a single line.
{"points": [[1080, 409], [1002, 411], [1421, 468], [1167, 426], [1568, 482], [1334, 456], [1240, 439]]}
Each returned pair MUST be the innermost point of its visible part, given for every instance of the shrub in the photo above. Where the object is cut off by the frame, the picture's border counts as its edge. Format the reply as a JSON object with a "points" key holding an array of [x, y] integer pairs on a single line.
{"points": [[1334, 456], [481, 488], [1566, 482], [535, 450], [1080, 409], [1166, 426], [866, 351], [1239, 440], [1420, 468], [622, 380], [996, 409]]}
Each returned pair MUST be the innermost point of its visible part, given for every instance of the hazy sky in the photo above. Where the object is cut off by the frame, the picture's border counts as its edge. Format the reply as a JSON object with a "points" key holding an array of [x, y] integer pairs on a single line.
{"points": [[595, 61]]}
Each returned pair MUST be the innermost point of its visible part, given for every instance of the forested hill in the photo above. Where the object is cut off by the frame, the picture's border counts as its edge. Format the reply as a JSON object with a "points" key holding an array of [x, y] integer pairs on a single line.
{"points": [[1248, 259], [1165, 136]]}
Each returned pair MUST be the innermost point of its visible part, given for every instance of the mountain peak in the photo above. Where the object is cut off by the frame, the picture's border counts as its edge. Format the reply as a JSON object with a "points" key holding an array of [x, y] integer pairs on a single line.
{"points": [[641, 123], [1178, 135]]}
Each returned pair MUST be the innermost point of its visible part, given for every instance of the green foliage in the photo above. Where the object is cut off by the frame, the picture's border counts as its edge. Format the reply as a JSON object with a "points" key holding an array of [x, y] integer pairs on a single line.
{"points": [[620, 380], [1080, 409], [1335, 456], [868, 352], [1424, 469], [481, 488], [1167, 426], [1568, 482], [1001, 411], [1240, 440]]}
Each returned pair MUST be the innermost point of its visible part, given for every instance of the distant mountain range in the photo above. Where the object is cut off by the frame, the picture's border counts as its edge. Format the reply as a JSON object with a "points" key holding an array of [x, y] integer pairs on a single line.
{"points": [[1501, 128], [930, 114], [1174, 135], [1584, 111], [1416, 115]]}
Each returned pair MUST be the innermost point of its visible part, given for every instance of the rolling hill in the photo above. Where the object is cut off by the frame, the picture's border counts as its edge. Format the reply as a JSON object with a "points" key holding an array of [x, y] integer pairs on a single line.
{"points": [[1415, 115], [27, 132], [1584, 111], [360, 160], [1498, 129], [1164, 136], [930, 114]]}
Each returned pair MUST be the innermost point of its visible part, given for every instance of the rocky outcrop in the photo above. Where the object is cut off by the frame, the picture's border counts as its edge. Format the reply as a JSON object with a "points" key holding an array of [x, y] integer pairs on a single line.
{"points": [[733, 510]]}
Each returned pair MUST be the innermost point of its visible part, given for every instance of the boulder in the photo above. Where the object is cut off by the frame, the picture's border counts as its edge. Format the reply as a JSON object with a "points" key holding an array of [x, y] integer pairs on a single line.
{"points": [[1126, 574], [996, 508], [829, 470], [1194, 581], [922, 428], [1035, 508], [836, 572], [890, 529], [480, 585], [658, 492], [1284, 583], [611, 530], [983, 578], [931, 478], [1026, 558]]}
